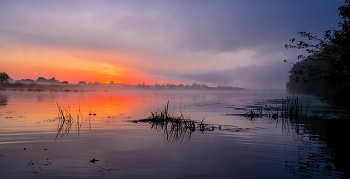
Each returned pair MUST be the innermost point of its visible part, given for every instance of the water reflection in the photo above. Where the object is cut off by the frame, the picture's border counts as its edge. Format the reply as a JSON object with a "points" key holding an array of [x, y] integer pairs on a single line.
{"points": [[3, 100], [66, 120], [323, 150], [313, 147], [178, 128]]}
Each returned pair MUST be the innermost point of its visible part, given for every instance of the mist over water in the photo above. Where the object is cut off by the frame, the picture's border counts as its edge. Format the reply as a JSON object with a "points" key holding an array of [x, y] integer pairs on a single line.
{"points": [[106, 143], [174, 89]]}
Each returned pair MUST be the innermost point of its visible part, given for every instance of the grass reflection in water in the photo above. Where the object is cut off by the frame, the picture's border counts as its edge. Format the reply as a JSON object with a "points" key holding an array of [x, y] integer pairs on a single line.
{"points": [[66, 121], [178, 128]]}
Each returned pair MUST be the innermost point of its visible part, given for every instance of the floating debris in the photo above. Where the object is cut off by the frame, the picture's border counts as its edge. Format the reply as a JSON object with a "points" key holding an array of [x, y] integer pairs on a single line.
{"points": [[94, 160]]}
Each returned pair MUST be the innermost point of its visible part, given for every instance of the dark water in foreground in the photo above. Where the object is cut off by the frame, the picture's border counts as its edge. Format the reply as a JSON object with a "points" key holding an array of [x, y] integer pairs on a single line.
{"points": [[235, 148]]}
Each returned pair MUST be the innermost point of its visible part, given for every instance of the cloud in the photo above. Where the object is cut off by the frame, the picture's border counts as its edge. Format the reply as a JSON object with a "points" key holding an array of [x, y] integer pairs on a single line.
{"points": [[270, 76], [218, 26], [219, 40]]}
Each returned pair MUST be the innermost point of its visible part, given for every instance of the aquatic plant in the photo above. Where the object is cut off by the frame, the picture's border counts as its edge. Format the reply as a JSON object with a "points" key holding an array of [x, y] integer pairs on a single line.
{"points": [[177, 128], [292, 108], [254, 113], [174, 127], [66, 121]]}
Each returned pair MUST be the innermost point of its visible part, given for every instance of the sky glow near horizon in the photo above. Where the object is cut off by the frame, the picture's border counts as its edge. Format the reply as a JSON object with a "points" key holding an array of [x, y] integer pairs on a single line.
{"points": [[236, 43]]}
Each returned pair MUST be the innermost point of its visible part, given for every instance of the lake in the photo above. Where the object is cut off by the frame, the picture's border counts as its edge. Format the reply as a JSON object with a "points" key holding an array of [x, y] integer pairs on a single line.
{"points": [[106, 139]]}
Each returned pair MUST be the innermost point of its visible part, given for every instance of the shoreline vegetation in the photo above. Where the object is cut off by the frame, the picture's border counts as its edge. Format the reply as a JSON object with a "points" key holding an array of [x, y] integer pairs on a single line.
{"points": [[43, 84], [292, 107], [324, 70], [53, 85], [36, 87]]}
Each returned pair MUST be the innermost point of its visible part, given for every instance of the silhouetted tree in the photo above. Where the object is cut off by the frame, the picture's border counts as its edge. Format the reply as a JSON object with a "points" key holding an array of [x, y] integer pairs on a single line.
{"points": [[53, 80], [303, 83], [41, 79], [195, 86], [331, 57], [4, 77]]}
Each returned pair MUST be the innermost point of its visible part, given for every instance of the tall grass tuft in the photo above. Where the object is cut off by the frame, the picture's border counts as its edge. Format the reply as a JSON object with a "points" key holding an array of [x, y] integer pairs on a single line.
{"points": [[178, 128], [66, 121], [175, 127], [292, 108]]}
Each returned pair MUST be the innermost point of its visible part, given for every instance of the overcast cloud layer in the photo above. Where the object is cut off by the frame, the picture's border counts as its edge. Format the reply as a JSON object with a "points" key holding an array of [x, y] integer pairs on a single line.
{"points": [[236, 43]]}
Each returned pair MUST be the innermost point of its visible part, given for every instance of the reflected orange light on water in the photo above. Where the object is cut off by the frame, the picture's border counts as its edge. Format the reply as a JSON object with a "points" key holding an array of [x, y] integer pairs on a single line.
{"points": [[39, 111], [42, 106]]}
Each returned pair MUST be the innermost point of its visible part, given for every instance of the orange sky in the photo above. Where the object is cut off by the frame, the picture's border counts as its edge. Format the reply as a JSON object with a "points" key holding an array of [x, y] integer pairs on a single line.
{"points": [[73, 66], [231, 43]]}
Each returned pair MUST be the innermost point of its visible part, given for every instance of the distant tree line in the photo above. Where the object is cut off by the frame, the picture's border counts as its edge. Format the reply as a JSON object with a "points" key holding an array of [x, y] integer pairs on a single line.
{"points": [[41, 83]]}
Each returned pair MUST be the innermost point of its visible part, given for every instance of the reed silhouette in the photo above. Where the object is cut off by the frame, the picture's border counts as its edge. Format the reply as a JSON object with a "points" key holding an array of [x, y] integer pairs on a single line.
{"points": [[290, 108], [66, 121], [177, 128]]}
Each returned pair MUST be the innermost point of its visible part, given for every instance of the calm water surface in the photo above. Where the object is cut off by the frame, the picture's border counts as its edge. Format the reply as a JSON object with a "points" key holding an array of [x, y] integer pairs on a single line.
{"points": [[236, 148]]}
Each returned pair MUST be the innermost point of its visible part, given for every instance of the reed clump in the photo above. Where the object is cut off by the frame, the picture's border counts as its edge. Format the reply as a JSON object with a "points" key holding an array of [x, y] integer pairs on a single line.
{"points": [[293, 108], [177, 128], [66, 120]]}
